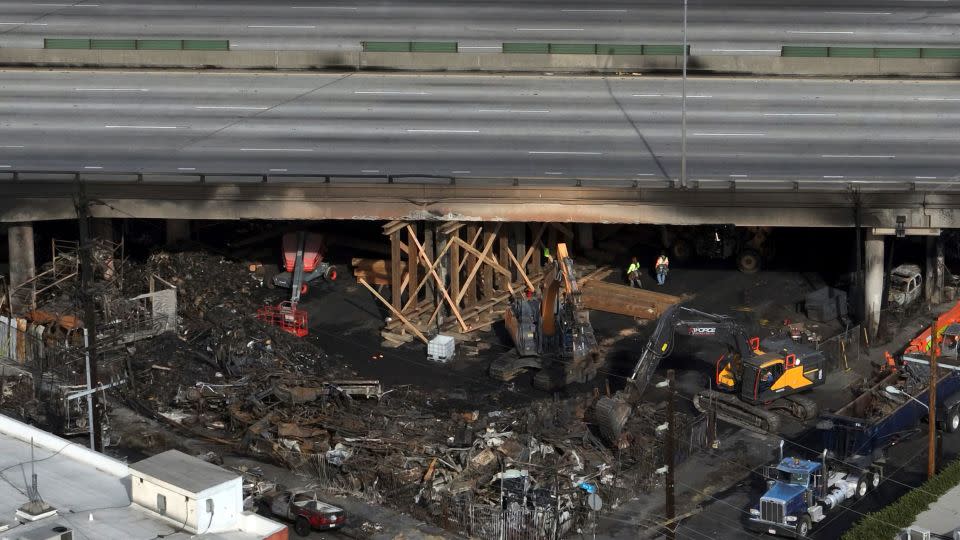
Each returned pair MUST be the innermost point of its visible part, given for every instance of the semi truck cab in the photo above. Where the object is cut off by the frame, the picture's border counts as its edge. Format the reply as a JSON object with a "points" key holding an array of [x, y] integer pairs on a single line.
{"points": [[799, 493]]}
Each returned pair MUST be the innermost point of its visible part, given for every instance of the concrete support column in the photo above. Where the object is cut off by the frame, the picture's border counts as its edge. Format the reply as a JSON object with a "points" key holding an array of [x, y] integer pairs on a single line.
{"points": [[929, 270], [585, 236], [22, 262], [178, 230], [873, 282]]}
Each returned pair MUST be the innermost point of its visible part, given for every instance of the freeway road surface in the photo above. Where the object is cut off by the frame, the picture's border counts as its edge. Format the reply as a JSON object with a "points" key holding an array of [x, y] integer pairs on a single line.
{"points": [[469, 125], [725, 27]]}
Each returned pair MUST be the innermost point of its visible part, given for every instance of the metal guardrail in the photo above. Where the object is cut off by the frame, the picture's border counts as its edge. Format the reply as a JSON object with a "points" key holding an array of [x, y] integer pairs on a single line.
{"points": [[770, 183]]}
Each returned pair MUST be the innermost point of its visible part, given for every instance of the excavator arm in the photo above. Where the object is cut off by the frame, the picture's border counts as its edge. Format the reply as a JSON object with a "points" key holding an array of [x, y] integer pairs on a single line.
{"points": [[682, 320]]}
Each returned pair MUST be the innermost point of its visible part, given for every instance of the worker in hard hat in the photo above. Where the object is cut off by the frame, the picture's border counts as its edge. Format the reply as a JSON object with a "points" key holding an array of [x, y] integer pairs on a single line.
{"points": [[633, 273], [662, 267]]}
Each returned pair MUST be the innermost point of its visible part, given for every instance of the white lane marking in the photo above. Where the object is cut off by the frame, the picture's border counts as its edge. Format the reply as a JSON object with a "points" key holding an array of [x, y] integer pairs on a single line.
{"points": [[854, 156], [92, 167], [22, 24], [347, 8], [925, 177], [593, 10], [140, 127], [370, 170], [4, 166], [644, 174], [858, 12], [391, 92], [936, 99], [277, 170], [565, 153], [746, 50], [705, 134], [443, 131], [678, 96], [231, 107], [549, 29], [459, 172], [514, 111], [800, 114], [301, 26], [738, 176], [276, 149], [834, 176], [820, 32], [186, 168], [552, 172], [68, 5], [111, 89], [11, 146]]}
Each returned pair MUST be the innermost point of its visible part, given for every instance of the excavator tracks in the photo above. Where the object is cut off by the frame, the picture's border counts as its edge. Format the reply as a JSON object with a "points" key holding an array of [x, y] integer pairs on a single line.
{"points": [[732, 410], [800, 407]]}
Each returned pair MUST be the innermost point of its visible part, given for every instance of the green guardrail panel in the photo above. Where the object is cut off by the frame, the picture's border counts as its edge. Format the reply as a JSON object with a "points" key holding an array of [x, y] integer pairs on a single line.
{"points": [[206, 45], [897, 52], [66, 43], [619, 49], [114, 44], [939, 53], [160, 44], [851, 52], [386, 46], [573, 48], [434, 46], [675, 50], [536, 48], [804, 52]]}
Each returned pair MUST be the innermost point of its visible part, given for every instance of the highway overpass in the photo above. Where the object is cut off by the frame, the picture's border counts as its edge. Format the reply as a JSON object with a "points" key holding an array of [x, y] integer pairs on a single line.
{"points": [[738, 27]]}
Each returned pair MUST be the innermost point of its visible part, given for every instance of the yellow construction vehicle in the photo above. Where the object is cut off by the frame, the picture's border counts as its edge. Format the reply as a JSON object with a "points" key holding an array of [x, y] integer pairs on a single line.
{"points": [[751, 379]]}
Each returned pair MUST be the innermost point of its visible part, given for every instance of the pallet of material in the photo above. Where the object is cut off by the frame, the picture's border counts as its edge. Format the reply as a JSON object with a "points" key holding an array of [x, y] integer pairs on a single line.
{"points": [[624, 300]]}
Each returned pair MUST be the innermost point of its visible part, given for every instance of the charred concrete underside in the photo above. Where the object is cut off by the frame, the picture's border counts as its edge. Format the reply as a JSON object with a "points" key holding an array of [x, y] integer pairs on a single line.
{"points": [[33, 201]]}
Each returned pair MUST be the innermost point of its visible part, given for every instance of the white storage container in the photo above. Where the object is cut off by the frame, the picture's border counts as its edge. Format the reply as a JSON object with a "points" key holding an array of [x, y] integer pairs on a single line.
{"points": [[440, 348]]}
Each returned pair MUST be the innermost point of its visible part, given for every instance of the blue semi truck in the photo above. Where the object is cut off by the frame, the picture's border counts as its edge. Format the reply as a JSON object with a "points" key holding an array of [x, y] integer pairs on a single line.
{"points": [[801, 492]]}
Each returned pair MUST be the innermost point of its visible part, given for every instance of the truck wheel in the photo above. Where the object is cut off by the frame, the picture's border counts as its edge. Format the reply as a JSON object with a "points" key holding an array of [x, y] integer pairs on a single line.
{"points": [[803, 527], [874, 479], [862, 487], [748, 261], [302, 526], [953, 420], [681, 250]]}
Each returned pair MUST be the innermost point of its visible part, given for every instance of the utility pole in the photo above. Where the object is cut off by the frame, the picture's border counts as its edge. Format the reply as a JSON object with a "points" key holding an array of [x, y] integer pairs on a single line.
{"points": [[89, 309], [683, 105], [932, 414], [671, 459]]}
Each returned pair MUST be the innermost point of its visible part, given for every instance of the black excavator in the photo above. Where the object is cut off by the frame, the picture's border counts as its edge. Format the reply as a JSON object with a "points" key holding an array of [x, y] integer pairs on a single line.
{"points": [[752, 379], [551, 333]]}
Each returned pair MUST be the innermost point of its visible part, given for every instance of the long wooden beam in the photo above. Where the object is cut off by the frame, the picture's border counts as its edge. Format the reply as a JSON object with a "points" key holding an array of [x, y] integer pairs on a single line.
{"points": [[476, 267], [440, 283], [416, 331]]}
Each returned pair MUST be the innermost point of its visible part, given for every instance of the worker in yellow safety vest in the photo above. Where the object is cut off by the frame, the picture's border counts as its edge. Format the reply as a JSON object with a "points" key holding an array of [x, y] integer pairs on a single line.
{"points": [[633, 273], [662, 267]]}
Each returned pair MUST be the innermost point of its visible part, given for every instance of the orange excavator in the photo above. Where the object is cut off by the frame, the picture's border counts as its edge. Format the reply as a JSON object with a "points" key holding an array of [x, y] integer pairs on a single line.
{"points": [[551, 333], [948, 334], [303, 263]]}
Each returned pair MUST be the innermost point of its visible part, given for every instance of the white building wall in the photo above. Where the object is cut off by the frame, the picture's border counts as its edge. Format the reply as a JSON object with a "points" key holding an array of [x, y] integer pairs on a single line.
{"points": [[181, 509], [227, 507]]}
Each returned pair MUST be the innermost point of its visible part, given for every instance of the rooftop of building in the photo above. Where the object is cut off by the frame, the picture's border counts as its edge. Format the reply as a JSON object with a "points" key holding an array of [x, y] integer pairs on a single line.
{"points": [[90, 492]]}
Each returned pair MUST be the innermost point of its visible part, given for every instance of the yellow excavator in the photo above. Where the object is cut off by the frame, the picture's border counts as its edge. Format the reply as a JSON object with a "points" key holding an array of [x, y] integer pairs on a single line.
{"points": [[752, 379], [551, 333]]}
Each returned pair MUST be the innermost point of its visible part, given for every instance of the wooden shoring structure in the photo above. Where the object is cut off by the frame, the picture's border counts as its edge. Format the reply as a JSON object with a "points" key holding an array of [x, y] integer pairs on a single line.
{"points": [[456, 277]]}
